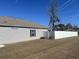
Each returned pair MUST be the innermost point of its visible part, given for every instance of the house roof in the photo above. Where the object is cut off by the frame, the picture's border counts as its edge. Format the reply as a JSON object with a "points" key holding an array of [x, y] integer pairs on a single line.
{"points": [[12, 21]]}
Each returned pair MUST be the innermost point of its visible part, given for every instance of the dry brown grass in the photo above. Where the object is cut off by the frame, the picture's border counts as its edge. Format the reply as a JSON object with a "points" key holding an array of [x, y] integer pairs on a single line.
{"points": [[42, 49]]}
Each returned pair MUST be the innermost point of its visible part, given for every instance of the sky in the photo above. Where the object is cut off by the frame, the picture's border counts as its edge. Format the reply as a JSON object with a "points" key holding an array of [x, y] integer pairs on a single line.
{"points": [[38, 10]]}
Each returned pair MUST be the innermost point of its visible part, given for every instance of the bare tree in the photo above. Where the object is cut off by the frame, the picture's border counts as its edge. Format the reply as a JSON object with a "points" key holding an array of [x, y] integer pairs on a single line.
{"points": [[53, 15], [54, 20]]}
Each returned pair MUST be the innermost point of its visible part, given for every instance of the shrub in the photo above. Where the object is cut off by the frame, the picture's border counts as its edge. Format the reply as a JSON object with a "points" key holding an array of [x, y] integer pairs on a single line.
{"points": [[42, 37], [50, 37]]}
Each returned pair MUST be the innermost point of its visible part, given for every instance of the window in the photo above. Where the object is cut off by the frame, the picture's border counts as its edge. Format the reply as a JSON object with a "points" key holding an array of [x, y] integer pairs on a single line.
{"points": [[32, 33]]}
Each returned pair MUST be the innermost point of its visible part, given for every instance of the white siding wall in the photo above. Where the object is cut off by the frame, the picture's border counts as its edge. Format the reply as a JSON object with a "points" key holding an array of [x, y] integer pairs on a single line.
{"points": [[65, 34], [12, 35]]}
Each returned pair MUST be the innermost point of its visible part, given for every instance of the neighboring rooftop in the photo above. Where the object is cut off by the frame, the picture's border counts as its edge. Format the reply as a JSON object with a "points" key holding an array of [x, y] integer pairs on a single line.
{"points": [[12, 21]]}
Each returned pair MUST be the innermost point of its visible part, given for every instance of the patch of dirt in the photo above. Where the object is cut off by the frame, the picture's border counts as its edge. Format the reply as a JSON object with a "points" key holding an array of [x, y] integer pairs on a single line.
{"points": [[42, 49]]}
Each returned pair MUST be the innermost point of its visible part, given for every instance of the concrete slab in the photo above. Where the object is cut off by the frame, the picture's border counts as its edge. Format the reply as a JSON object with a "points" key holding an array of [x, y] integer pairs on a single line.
{"points": [[1, 46]]}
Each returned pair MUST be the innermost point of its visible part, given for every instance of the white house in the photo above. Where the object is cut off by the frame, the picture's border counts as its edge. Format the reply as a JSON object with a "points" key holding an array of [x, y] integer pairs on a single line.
{"points": [[14, 30]]}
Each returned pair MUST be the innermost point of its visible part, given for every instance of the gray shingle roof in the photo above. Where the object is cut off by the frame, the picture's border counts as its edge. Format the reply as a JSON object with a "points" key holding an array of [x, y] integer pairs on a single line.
{"points": [[11, 21]]}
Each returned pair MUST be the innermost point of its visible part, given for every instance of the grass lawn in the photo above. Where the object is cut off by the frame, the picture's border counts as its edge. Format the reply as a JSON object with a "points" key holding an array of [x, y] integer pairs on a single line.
{"points": [[42, 49]]}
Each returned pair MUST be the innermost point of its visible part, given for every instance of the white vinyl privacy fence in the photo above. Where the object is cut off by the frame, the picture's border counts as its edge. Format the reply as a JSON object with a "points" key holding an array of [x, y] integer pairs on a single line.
{"points": [[63, 34]]}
